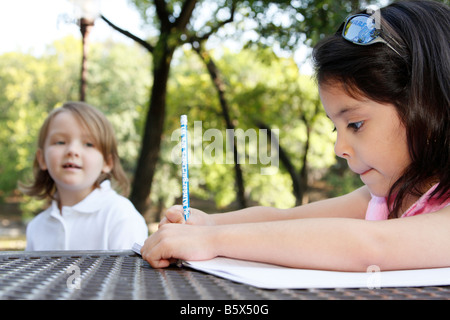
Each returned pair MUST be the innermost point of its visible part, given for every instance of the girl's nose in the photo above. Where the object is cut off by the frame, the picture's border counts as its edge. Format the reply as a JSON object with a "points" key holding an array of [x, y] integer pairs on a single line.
{"points": [[341, 147], [73, 149]]}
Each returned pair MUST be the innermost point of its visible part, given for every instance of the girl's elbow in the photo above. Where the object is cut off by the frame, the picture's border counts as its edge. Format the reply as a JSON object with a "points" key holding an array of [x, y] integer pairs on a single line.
{"points": [[375, 254]]}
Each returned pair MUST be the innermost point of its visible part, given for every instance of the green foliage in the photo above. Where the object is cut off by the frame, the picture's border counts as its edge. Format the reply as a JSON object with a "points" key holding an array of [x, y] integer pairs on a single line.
{"points": [[30, 86], [118, 84], [290, 23], [342, 180], [260, 87]]}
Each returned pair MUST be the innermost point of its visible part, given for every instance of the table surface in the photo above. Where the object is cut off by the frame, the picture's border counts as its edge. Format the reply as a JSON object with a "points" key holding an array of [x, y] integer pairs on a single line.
{"points": [[124, 275]]}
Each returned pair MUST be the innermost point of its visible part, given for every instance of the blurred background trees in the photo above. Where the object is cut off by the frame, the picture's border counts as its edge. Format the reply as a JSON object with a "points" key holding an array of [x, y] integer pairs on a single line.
{"points": [[253, 46]]}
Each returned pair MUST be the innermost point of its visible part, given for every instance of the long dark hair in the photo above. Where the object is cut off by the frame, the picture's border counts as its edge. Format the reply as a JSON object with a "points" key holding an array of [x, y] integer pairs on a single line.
{"points": [[415, 79]]}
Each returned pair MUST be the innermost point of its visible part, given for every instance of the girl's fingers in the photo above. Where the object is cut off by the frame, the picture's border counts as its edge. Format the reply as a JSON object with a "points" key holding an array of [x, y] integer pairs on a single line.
{"points": [[173, 215]]}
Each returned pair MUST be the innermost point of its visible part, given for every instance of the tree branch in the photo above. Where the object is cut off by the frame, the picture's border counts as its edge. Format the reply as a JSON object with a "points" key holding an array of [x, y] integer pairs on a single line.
{"points": [[185, 15], [163, 15], [192, 38], [144, 43], [298, 189]]}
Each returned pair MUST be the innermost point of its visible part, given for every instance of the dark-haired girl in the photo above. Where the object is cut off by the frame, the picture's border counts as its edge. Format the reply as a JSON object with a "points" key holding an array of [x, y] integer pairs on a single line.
{"points": [[384, 82]]}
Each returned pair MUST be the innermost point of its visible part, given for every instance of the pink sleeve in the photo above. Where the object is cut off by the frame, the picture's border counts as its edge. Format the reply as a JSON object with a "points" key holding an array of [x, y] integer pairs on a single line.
{"points": [[377, 209]]}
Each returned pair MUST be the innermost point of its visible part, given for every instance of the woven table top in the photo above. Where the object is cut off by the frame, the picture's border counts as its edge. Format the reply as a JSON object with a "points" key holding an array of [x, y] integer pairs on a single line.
{"points": [[124, 275]]}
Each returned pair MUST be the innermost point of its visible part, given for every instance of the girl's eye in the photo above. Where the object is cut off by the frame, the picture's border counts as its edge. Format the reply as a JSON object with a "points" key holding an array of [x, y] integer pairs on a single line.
{"points": [[89, 144], [59, 142], [356, 125]]}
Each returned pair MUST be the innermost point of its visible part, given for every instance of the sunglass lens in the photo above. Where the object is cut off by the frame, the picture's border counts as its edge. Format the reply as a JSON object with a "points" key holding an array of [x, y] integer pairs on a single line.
{"points": [[360, 29]]}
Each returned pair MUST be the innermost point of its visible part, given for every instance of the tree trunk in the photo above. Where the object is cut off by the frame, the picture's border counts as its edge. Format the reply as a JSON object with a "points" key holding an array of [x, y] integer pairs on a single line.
{"points": [[154, 127], [220, 87], [300, 178], [85, 28]]}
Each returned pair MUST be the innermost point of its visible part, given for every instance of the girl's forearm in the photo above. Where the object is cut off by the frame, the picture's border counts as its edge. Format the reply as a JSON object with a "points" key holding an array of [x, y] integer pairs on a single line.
{"points": [[352, 205], [341, 244], [329, 243], [248, 215]]}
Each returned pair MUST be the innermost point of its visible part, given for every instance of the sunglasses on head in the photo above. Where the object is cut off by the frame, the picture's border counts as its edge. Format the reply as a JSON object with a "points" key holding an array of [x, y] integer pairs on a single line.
{"points": [[362, 29]]}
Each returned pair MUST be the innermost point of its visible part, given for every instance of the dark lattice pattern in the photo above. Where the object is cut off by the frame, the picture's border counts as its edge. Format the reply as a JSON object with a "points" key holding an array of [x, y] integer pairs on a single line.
{"points": [[124, 275]]}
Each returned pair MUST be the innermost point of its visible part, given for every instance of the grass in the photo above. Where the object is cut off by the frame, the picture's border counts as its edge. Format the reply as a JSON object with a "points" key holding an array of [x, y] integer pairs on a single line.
{"points": [[13, 243]]}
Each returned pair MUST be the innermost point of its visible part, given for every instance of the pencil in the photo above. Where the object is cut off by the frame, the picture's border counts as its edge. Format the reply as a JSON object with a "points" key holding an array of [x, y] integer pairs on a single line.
{"points": [[184, 167]]}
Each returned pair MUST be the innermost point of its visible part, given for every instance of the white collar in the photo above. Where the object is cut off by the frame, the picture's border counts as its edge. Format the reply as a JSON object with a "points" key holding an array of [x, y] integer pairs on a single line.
{"points": [[92, 203]]}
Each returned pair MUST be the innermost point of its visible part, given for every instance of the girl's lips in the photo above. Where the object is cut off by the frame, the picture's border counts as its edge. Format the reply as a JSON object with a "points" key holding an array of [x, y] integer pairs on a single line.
{"points": [[363, 173], [71, 165]]}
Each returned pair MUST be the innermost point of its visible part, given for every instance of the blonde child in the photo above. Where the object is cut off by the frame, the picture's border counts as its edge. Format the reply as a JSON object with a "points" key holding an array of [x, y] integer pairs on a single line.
{"points": [[384, 83], [75, 161]]}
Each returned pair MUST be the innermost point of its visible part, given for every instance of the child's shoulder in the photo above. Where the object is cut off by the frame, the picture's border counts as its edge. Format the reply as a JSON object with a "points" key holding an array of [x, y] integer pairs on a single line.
{"points": [[121, 211], [41, 218], [113, 201]]}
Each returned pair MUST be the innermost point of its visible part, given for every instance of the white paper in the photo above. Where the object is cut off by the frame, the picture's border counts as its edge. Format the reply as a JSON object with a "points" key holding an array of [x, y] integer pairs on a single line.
{"points": [[269, 276], [136, 248]]}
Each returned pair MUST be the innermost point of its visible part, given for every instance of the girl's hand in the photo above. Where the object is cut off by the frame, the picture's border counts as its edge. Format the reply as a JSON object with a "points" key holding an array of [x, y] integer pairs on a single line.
{"points": [[175, 215], [175, 241]]}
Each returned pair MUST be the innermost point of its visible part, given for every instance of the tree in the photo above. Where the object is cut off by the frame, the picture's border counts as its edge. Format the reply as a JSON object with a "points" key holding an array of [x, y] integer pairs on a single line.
{"points": [[175, 26], [269, 29], [31, 86], [260, 88], [220, 86], [177, 22]]}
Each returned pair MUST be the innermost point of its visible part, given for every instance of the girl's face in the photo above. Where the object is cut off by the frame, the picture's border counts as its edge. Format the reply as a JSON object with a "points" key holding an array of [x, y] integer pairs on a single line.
{"points": [[72, 159], [370, 136]]}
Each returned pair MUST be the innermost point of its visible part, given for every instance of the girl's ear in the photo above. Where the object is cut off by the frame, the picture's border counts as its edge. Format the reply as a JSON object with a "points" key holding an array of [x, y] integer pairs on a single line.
{"points": [[41, 159], [108, 164]]}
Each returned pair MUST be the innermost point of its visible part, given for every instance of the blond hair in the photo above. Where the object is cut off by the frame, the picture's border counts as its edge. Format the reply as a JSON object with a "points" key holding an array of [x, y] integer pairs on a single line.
{"points": [[102, 132]]}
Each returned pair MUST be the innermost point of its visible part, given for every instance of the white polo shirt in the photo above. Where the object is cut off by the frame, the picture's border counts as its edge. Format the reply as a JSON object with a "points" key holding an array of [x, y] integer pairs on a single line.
{"points": [[104, 220]]}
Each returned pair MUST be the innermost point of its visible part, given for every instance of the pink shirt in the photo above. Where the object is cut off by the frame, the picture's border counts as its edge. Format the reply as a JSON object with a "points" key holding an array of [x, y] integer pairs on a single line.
{"points": [[378, 209]]}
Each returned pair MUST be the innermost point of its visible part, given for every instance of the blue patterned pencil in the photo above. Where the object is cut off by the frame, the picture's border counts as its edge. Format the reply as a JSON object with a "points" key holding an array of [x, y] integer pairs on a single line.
{"points": [[184, 167]]}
